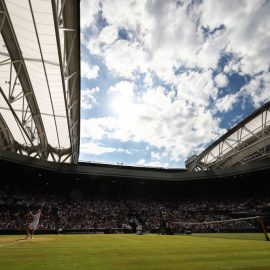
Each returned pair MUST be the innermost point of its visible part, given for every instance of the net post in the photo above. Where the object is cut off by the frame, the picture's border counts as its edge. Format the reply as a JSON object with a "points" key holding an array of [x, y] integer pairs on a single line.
{"points": [[262, 225]]}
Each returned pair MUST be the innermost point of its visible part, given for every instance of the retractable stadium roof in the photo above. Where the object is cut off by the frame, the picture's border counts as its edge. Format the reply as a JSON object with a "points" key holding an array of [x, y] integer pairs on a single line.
{"points": [[40, 78], [248, 141]]}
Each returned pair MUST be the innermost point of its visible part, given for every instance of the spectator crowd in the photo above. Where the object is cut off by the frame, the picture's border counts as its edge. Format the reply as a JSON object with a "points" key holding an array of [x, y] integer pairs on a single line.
{"points": [[75, 210]]}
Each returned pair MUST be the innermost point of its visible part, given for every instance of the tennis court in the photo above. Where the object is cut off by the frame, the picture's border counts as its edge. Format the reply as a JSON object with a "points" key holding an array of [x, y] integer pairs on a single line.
{"points": [[129, 251]]}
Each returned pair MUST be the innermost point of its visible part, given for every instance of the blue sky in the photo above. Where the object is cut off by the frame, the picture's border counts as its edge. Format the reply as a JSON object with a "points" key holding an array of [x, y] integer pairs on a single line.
{"points": [[161, 80]]}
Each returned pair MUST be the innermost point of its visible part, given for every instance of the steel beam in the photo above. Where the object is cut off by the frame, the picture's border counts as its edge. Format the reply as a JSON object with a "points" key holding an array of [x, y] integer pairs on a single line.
{"points": [[19, 123], [66, 14], [6, 138]]}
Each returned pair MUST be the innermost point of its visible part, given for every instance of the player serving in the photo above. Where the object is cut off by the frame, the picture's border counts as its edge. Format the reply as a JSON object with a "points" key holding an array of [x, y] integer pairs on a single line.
{"points": [[33, 225]]}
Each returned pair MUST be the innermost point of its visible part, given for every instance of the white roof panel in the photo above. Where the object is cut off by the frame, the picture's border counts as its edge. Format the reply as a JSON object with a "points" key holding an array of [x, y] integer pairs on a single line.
{"points": [[34, 41], [45, 77]]}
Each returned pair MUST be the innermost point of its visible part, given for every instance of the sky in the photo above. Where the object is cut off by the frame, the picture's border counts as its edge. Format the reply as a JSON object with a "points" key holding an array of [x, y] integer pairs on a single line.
{"points": [[162, 80]]}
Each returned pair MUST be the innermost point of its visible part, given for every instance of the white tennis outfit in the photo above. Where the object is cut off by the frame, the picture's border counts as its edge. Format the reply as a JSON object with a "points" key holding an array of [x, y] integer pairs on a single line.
{"points": [[34, 224]]}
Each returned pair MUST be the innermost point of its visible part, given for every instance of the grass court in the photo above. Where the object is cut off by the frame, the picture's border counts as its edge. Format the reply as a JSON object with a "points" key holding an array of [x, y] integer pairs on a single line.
{"points": [[135, 252]]}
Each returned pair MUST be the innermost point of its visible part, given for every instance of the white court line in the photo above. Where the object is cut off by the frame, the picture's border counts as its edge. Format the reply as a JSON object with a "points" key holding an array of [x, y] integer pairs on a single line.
{"points": [[12, 243]]}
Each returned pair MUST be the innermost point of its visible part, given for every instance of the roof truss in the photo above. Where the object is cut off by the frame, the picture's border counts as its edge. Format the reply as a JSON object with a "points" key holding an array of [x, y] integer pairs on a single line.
{"points": [[246, 142]]}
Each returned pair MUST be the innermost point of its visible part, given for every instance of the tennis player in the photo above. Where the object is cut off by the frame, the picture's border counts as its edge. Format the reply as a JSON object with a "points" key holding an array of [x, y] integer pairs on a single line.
{"points": [[34, 224]]}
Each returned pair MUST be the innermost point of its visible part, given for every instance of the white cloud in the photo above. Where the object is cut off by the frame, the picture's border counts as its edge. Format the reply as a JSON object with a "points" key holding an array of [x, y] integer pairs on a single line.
{"points": [[258, 89], [165, 36], [88, 10], [89, 98], [126, 14], [124, 58], [89, 71], [108, 35], [226, 103], [121, 97], [143, 162], [155, 99], [158, 155], [221, 80], [247, 30], [160, 121], [148, 80], [92, 148], [97, 128], [234, 66], [99, 43], [210, 51], [125, 88], [196, 87]]}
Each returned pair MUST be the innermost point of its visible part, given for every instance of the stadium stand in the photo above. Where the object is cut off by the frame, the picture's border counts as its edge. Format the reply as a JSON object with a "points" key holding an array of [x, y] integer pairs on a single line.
{"points": [[111, 205]]}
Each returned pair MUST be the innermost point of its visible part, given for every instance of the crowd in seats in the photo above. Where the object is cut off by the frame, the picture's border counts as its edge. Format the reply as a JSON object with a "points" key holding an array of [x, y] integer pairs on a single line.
{"points": [[75, 210]]}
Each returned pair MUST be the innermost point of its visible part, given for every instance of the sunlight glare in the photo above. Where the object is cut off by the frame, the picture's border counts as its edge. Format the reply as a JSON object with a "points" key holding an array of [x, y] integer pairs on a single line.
{"points": [[121, 104]]}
